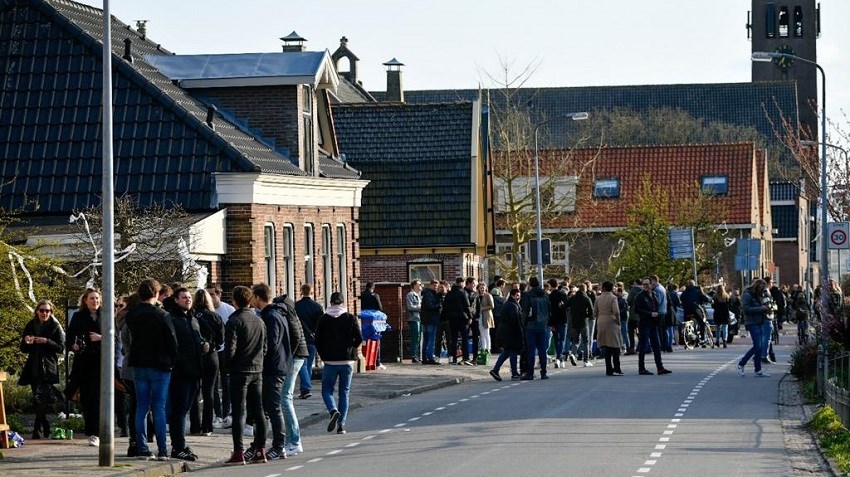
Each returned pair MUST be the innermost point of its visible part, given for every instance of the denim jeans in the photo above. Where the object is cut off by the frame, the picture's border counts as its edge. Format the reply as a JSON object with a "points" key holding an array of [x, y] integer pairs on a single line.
{"points": [[151, 393], [671, 336], [272, 390], [429, 342], [586, 339], [649, 338], [181, 392], [722, 334], [766, 335], [507, 353], [415, 339], [222, 401], [290, 420], [330, 374], [305, 373], [754, 352], [246, 390], [537, 341], [624, 332], [560, 335]]}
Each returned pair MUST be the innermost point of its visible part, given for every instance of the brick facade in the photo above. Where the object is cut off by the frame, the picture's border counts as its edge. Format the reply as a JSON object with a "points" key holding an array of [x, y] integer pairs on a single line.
{"points": [[244, 263]]}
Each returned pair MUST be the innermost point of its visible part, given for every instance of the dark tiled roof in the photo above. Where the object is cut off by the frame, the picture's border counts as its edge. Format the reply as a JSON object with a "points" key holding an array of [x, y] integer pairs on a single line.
{"points": [[784, 190], [332, 168], [785, 220], [348, 92], [674, 167], [50, 118], [743, 104], [417, 158]]}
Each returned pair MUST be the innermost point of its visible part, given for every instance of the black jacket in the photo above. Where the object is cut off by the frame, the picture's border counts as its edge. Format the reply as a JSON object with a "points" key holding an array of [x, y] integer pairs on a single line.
{"points": [[309, 311], [42, 366], [244, 342], [558, 307], [278, 351], [212, 330], [297, 340], [370, 300], [337, 338], [581, 308], [189, 348], [431, 307], [645, 305], [153, 343], [82, 323], [509, 329], [456, 305]]}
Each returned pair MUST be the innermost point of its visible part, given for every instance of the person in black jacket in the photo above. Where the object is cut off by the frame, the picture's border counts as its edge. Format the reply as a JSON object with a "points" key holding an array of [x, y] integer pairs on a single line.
{"points": [[186, 374], [509, 331], [299, 353], [558, 320], [308, 311], [646, 306], [42, 339], [244, 349], [153, 351], [456, 312], [430, 316], [276, 365], [581, 320], [338, 338], [84, 339], [212, 333]]}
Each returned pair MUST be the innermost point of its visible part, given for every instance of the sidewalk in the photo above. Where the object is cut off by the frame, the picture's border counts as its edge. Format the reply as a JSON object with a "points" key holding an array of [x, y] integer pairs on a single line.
{"points": [[74, 458]]}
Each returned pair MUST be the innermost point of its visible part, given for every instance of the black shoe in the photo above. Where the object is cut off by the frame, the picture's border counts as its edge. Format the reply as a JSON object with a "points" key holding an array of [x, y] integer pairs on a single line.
{"points": [[334, 420], [249, 453], [305, 394], [142, 454], [724, 345], [664, 371], [275, 453], [544, 376], [185, 454], [644, 372], [414, 360], [526, 377], [617, 373], [340, 430], [36, 435], [495, 375]]}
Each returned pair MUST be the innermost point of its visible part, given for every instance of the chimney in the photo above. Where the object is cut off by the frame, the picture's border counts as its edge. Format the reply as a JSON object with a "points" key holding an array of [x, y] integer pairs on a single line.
{"points": [[395, 90], [293, 42], [344, 52], [141, 27], [128, 54], [211, 109]]}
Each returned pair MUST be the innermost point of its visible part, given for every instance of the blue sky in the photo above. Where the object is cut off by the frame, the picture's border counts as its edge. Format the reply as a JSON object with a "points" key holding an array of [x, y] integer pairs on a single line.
{"points": [[457, 44]]}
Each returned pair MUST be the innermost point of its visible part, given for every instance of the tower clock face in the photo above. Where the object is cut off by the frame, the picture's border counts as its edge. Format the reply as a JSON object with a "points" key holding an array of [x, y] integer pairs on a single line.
{"points": [[784, 62]]}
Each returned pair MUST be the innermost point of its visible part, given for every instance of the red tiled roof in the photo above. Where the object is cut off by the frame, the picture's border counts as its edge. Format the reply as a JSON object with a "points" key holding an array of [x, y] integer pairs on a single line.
{"points": [[676, 167]]}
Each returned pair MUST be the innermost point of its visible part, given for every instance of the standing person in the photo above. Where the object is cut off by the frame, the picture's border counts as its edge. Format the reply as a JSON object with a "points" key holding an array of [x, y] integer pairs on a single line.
{"points": [[671, 325], [607, 314], [430, 316], [623, 306], [581, 316], [509, 333], [244, 348], [442, 342], [755, 309], [212, 333], [413, 304], [41, 340], [369, 300], [721, 314], [126, 373], [693, 298], [276, 365], [646, 306], [558, 320], [770, 323], [473, 333], [222, 399], [309, 311], [634, 318], [337, 339], [186, 374], [536, 328], [456, 312], [153, 351], [84, 339], [485, 321], [298, 347], [663, 304]]}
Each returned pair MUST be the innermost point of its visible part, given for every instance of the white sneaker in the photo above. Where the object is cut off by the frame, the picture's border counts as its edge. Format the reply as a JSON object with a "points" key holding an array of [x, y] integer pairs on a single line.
{"points": [[557, 363], [293, 449], [217, 422], [572, 359], [761, 374], [381, 366], [94, 441], [740, 370], [248, 431], [227, 422], [588, 364]]}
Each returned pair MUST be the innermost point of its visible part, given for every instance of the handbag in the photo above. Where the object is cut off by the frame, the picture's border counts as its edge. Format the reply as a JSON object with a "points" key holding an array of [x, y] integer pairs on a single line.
{"points": [[47, 394]]}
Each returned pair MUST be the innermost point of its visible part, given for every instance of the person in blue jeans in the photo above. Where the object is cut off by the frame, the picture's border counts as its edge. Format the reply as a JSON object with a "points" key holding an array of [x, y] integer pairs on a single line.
{"points": [[153, 352], [755, 308], [536, 312], [309, 312], [430, 316], [338, 337]]}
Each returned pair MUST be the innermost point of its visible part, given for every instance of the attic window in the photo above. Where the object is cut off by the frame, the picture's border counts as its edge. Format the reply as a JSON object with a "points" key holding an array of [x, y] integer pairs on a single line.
{"points": [[783, 22], [606, 188], [715, 185], [770, 20], [798, 22]]}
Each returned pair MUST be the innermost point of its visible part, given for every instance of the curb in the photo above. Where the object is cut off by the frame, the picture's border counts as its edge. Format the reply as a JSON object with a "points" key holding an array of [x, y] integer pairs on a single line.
{"points": [[808, 412], [166, 469]]}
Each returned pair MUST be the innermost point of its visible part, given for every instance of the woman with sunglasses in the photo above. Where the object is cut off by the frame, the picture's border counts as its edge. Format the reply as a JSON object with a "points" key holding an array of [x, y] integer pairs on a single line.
{"points": [[42, 339]]}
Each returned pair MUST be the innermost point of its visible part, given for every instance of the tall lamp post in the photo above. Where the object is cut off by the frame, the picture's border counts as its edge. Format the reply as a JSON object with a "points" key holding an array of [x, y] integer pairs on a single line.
{"points": [[765, 56], [580, 116]]}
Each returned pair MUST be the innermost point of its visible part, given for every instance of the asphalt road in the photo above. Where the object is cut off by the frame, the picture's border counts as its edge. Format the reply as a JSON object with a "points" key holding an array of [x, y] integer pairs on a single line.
{"points": [[701, 420]]}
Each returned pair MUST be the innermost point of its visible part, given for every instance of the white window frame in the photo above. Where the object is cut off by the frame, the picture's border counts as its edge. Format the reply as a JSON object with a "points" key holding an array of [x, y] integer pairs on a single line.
{"points": [[327, 262], [309, 250], [270, 255], [342, 260], [289, 259], [564, 198]]}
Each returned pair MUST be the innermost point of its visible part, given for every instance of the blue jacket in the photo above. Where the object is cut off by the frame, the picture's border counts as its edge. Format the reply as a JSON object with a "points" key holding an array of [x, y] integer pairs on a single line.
{"points": [[754, 314], [537, 313]]}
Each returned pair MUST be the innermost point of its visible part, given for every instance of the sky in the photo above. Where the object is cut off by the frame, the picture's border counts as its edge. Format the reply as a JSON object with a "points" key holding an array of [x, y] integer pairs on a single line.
{"points": [[447, 44]]}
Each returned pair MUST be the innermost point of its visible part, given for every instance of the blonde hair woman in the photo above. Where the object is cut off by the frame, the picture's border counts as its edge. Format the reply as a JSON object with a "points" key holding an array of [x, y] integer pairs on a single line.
{"points": [[721, 315]]}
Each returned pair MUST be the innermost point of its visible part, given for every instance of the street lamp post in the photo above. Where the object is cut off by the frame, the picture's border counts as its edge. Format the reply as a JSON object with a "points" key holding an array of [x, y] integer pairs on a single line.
{"points": [[580, 116], [765, 56]]}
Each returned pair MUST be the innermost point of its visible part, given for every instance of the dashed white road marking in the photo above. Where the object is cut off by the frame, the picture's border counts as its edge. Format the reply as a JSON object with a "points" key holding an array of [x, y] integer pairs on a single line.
{"points": [[334, 452], [353, 444], [401, 424], [295, 467], [428, 413], [314, 460], [369, 437], [384, 431]]}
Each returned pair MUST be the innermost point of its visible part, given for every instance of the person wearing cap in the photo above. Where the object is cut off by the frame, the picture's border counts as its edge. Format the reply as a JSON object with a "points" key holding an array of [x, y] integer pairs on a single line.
{"points": [[338, 337]]}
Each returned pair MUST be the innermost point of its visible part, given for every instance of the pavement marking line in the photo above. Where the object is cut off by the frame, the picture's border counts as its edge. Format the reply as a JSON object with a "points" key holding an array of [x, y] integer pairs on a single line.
{"points": [[272, 475], [314, 460], [675, 420], [663, 439], [668, 433], [295, 467], [463, 400], [678, 414], [368, 437], [400, 425], [660, 446], [334, 452], [655, 454], [384, 431], [682, 409], [650, 462], [644, 470], [485, 393], [428, 413], [451, 404], [671, 426], [413, 419], [353, 444], [474, 396], [441, 408]]}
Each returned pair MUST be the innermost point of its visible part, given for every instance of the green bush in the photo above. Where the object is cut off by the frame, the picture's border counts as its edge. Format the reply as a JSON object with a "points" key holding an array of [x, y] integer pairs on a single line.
{"points": [[18, 398], [804, 361], [71, 422], [833, 436], [18, 423]]}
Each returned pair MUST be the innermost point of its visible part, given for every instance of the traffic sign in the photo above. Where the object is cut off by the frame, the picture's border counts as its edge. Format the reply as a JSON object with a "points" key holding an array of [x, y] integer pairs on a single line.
{"points": [[546, 247], [838, 236], [681, 243]]}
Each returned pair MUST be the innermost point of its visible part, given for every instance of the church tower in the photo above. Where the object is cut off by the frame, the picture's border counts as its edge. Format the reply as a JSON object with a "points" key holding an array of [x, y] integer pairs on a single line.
{"points": [[789, 26]]}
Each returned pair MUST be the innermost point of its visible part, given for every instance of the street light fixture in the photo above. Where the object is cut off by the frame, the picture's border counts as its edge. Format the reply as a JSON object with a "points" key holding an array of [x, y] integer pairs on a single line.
{"points": [[763, 56], [579, 116]]}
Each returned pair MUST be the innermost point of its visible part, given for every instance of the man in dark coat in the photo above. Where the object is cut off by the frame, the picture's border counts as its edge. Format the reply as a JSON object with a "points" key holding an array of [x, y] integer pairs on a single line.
{"points": [[646, 306], [186, 375], [430, 316], [558, 321], [456, 311], [309, 312], [581, 317]]}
